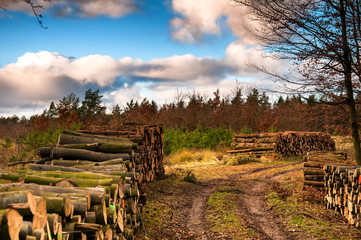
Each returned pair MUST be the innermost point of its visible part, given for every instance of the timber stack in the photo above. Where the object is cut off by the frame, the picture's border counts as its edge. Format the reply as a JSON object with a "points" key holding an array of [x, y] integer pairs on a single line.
{"points": [[284, 143], [150, 147], [314, 163], [343, 191], [89, 186], [253, 144], [298, 143]]}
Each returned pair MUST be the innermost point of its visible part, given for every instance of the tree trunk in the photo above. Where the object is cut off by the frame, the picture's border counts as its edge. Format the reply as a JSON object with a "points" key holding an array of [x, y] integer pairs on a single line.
{"points": [[68, 153], [347, 66]]}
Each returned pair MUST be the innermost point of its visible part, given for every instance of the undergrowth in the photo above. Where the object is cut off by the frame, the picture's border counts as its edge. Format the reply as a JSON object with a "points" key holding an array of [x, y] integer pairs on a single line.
{"points": [[239, 159], [304, 211], [201, 138], [24, 147]]}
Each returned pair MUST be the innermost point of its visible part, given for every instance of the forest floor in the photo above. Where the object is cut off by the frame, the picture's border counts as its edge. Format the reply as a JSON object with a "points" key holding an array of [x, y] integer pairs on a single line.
{"points": [[255, 200]]}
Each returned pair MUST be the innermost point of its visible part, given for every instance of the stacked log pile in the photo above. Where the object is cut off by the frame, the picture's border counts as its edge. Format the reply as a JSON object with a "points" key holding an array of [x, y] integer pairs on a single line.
{"points": [[253, 143], [150, 146], [314, 163], [88, 186], [343, 191], [298, 143]]}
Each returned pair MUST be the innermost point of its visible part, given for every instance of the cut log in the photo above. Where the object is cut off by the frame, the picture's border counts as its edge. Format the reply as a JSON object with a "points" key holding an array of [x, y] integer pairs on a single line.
{"points": [[59, 205], [42, 167], [96, 194], [53, 221], [250, 150], [40, 217], [100, 213], [7, 198], [314, 183], [69, 163], [105, 147], [68, 153], [261, 135], [240, 146], [45, 151], [312, 171], [318, 178], [11, 223], [26, 229]]}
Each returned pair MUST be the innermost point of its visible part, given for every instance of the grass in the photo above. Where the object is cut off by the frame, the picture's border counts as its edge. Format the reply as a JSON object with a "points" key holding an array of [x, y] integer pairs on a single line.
{"points": [[223, 216], [301, 212], [166, 198], [305, 214], [193, 158]]}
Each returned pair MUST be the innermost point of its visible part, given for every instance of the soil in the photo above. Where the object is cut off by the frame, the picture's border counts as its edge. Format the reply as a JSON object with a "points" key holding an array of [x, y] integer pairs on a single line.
{"points": [[262, 219]]}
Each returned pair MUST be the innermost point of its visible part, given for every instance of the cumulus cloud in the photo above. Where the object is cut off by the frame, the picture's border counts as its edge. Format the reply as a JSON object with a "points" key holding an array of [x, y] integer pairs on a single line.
{"points": [[80, 8], [45, 76], [201, 17]]}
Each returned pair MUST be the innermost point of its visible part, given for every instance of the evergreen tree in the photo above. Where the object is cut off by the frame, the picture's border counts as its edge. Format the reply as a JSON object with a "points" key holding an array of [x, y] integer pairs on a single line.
{"points": [[91, 105]]}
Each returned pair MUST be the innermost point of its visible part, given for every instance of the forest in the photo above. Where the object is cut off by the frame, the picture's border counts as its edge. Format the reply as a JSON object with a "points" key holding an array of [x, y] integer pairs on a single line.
{"points": [[250, 111]]}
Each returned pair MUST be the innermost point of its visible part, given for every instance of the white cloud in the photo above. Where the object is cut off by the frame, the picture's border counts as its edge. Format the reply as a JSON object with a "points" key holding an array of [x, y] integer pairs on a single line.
{"points": [[82, 8], [45, 76], [209, 17]]}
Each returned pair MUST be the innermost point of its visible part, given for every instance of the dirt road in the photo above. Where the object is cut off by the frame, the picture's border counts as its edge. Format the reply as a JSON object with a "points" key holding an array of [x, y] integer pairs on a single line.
{"points": [[252, 203]]}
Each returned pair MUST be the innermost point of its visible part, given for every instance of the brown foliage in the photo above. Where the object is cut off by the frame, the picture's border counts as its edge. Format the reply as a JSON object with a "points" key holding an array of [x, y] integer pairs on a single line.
{"points": [[312, 194]]}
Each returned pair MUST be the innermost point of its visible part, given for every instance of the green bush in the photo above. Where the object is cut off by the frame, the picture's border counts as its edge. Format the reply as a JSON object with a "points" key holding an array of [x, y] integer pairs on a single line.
{"points": [[200, 138], [36, 138], [246, 130], [190, 177]]}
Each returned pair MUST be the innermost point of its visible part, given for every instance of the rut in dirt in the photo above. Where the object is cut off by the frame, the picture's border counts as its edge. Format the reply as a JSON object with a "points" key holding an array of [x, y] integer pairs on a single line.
{"points": [[253, 203]]}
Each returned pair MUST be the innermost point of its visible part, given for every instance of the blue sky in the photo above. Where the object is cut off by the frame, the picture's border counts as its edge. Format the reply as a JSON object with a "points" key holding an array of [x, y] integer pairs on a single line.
{"points": [[127, 49]]}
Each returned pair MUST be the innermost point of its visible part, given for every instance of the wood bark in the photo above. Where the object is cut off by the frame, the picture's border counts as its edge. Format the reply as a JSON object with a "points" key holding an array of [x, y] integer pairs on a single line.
{"points": [[68, 153]]}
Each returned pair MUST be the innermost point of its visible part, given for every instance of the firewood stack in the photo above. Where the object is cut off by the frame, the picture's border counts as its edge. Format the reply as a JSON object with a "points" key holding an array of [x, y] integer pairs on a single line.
{"points": [[298, 143], [150, 147], [88, 186], [253, 143], [151, 152], [314, 163], [343, 191]]}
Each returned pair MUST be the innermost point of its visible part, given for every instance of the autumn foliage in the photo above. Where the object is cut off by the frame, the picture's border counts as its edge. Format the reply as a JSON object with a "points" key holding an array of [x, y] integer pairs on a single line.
{"points": [[247, 112]]}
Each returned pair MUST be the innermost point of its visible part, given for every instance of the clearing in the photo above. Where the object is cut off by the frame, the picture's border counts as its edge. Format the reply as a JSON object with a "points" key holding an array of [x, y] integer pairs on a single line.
{"points": [[254, 200]]}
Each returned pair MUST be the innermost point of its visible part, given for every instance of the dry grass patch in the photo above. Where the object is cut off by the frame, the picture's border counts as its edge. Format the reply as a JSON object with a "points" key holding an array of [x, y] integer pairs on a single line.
{"points": [[193, 158]]}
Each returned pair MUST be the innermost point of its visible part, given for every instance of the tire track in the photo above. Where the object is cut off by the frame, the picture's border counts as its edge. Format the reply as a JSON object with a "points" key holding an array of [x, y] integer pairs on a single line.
{"points": [[253, 204]]}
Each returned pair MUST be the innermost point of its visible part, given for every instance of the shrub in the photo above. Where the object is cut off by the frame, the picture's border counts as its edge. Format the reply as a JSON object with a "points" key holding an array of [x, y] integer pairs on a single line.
{"points": [[239, 159], [312, 194], [200, 138], [190, 177]]}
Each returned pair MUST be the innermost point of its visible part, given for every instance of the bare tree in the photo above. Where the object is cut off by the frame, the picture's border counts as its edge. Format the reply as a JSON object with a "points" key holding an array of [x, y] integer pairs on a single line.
{"points": [[322, 38], [35, 9]]}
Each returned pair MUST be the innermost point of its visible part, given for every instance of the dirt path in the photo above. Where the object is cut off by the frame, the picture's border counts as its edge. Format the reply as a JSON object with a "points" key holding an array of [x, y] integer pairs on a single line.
{"points": [[196, 213], [253, 203]]}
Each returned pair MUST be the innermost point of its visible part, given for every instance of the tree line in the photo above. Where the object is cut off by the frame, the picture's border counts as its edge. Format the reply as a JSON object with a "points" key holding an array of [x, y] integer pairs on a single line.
{"points": [[243, 111]]}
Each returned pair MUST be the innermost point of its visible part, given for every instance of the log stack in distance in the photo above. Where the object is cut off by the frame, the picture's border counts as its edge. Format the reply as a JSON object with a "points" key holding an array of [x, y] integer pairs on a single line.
{"points": [[284, 143], [91, 185]]}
